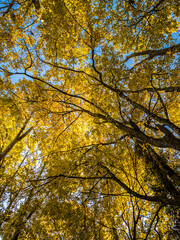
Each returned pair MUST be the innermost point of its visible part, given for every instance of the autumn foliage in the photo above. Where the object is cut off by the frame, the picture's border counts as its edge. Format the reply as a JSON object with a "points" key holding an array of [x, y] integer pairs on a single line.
{"points": [[90, 119]]}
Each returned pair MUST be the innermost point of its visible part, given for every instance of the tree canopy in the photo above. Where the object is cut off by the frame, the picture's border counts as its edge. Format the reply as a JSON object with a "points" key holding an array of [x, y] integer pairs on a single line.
{"points": [[90, 119]]}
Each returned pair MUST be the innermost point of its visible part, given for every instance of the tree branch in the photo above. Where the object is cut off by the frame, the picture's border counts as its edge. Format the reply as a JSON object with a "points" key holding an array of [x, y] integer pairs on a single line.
{"points": [[155, 53]]}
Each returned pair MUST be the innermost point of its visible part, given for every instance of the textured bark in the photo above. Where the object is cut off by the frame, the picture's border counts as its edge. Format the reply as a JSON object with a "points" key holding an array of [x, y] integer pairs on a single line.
{"points": [[161, 161]]}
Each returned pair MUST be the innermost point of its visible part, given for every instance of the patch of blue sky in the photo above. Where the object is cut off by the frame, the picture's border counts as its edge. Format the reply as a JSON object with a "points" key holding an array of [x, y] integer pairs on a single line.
{"points": [[5, 4]]}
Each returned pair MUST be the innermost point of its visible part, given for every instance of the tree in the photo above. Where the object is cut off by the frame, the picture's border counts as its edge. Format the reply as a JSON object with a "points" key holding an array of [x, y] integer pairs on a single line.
{"points": [[99, 83]]}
